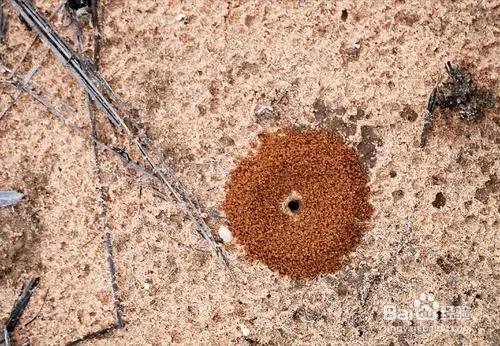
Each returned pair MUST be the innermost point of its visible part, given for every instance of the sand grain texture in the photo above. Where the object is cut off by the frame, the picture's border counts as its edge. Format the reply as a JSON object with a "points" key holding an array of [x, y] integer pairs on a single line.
{"points": [[326, 181], [195, 86]]}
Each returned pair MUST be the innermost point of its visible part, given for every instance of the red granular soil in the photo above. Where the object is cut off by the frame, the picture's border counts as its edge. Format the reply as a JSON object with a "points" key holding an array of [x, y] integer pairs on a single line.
{"points": [[326, 184]]}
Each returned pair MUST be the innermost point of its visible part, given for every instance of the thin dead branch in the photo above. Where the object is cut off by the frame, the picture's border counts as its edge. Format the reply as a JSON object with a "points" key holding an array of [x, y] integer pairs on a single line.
{"points": [[10, 198], [6, 337], [90, 79], [114, 286], [35, 37], [94, 335], [117, 306], [18, 92], [3, 22], [19, 307]]}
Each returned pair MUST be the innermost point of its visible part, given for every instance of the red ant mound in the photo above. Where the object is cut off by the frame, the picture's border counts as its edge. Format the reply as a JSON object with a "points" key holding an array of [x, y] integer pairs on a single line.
{"points": [[300, 204]]}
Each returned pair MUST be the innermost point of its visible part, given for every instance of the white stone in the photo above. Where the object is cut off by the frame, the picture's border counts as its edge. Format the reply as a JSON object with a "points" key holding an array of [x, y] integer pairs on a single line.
{"points": [[225, 234], [264, 110], [245, 331], [181, 17]]}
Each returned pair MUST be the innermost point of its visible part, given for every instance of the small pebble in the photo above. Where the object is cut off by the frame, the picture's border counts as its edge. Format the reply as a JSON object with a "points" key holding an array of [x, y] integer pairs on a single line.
{"points": [[8, 198], [225, 234], [146, 286], [264, 110], [181, 17], [245, 331]]}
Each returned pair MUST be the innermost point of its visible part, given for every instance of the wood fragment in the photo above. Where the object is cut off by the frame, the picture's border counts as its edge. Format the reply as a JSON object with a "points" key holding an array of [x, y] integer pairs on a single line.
{"points": [[35, 37], [19, 307], [117, 306], [114, 286], [93, 335], [3, 22], [428, 117], [6, 337], [10, 198]]}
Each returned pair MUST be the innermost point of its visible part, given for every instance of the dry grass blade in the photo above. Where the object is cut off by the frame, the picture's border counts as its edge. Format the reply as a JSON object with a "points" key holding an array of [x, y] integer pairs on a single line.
{"points": [[118, 152], [89, 78], [94, 335], [117, 306], [35, 37], [19, 307], [6, 337], [10, 198], [114, 286], [54, 109], [17, 94], [3, 22]]}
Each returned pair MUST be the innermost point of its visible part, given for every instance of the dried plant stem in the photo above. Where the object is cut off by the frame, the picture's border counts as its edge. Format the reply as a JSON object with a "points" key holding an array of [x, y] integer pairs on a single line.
{"points": [[35, 37], [54, 109], [19, 307], [93, 335], [90, 79], [26, 80], [107, 242], [3, 22]]}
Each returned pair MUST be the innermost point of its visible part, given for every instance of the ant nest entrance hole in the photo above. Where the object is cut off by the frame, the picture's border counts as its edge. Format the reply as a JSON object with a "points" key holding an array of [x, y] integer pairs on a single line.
{"points": [[292, 205]]}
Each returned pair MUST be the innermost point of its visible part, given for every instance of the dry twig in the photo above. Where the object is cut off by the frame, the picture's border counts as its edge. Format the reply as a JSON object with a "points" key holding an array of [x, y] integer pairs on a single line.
{"points": [[18, 92], [10, 198], [3, 22], [19, 307], [117, 307], [93, 335], [90, 79], [35, 37]]}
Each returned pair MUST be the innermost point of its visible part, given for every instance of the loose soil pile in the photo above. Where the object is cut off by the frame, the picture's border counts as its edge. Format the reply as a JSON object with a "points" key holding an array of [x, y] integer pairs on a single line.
{"points": [[300, 204]]}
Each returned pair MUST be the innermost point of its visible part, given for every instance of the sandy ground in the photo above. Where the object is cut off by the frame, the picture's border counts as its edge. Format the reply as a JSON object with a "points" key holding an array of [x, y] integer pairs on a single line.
{"points": [[365, 72]]}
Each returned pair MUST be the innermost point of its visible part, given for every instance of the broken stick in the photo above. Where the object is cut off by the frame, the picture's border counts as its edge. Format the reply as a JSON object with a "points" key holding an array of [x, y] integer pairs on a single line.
{"points": [[108, 245], [19, 307], [90, 79]]}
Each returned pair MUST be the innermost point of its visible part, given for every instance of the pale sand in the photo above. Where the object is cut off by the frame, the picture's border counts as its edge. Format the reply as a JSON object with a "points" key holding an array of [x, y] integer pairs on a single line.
{"points": [[195, 88]]}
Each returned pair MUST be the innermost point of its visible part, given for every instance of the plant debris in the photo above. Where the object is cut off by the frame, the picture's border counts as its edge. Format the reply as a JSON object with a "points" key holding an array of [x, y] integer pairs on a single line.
{"points": [[458, 93], [10, 198], [18, 309], [3, 22], [113, 107], [263, 111], [94, 335]]}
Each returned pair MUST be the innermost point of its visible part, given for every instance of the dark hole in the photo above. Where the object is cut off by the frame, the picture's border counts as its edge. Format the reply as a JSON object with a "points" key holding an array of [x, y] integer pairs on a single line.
{"points": [[343, 16], [77, 4], [439, 201], [294, 205]]}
